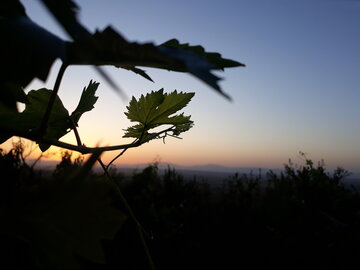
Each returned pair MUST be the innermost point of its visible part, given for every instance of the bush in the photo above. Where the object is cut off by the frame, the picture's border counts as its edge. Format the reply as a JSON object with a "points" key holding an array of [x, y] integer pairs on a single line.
{"points": [[302, 217]]}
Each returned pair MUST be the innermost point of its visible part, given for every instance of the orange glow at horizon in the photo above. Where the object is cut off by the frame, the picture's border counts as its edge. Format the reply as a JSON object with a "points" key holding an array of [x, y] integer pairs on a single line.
{"points": [[156, 151], [187, 153]]}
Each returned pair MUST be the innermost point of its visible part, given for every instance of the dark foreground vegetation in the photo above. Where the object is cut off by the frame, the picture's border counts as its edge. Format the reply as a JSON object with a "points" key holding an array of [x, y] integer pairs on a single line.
{"points": [[299, 219]]}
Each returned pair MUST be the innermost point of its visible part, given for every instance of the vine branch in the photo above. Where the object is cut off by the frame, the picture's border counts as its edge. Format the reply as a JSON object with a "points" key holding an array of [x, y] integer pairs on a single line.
{"points": [[124, 150], [139, 228], [45, 120], [77, 135], [116, 157], [84, 149]]}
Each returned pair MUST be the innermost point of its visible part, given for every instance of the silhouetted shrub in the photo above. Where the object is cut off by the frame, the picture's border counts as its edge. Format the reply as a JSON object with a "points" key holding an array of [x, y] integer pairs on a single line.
{"points": [[301, 217], [67, 165]]}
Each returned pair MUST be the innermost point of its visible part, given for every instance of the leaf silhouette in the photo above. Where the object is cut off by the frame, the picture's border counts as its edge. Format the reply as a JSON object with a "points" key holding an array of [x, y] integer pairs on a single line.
{"points": [[140, 72], [87, 101], [213, 57], [58, 124], [108, 47], [65, 12], [156, 109], [30, 119], [27, 50], [30, 50]]}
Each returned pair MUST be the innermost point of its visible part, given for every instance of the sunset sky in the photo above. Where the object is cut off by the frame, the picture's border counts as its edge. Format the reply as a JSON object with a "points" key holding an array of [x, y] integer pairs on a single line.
{"points": [[299, 91]]}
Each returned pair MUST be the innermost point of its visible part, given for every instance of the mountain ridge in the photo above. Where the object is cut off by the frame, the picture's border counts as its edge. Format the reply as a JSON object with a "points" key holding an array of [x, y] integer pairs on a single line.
{"points": [[197, 169]]}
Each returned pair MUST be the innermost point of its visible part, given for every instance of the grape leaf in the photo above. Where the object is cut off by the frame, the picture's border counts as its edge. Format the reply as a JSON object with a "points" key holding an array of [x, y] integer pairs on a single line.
{"points": [[139, 71], [214, 58], [180, 128], [27, 50], [87, 101], [30, 50], [155, 109], [172, 103], [65, 12], [13, 123], [108, 47], [38, 101], [59, 121]]}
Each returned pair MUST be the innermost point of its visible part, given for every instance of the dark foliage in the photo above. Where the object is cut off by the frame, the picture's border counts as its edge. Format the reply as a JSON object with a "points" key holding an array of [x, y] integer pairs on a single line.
{"points": [[67, 165], [54, 221], [301, 218]]}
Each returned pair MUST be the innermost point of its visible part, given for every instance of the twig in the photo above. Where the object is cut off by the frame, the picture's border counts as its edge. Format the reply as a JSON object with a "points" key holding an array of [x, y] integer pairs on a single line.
{"points": [[139, 228], [124, 150], [77, 135], [45, 120], [81, 148], [115, 158]]}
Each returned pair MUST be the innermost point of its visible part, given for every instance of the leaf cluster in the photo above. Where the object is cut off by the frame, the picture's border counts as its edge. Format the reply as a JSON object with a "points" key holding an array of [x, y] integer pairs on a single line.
{"points": [[60, 121], [156, 109], [30, 50]]}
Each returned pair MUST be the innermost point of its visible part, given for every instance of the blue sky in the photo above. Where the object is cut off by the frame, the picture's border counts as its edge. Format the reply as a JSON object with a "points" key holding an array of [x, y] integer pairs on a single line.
{"points": [[300, 90]]}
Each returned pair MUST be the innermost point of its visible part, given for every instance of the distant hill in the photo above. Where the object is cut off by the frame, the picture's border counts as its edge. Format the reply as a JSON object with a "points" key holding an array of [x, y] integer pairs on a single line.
{"points": [[208, 168], [212, 173]]}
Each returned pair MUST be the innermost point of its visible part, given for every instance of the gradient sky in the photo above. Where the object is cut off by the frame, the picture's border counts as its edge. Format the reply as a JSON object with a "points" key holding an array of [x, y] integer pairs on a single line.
{"points": [[300, 90]]}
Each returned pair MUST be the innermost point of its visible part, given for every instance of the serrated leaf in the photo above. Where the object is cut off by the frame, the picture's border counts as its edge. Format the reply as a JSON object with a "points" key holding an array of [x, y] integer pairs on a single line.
{"points": [[38, 102], [58, 124], [65, 12], [87, 101], [108, 47], [13, 123], [139, 71], [156, 109], [142, 110], [181, 127], [157, 106], [137, 131], [180, 124], [213, 57], [172, 103]]}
